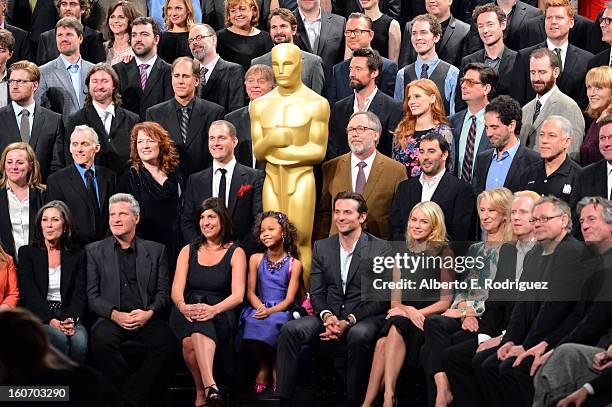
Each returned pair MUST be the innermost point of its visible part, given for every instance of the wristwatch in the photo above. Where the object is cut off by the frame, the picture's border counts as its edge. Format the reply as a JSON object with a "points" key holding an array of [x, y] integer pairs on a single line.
{"points": [[463, 314], [349, 324]]}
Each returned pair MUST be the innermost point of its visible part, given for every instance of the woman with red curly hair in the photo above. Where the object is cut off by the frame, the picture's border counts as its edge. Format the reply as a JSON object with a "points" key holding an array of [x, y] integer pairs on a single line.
{"points": [[423, 113], [155, 182]]}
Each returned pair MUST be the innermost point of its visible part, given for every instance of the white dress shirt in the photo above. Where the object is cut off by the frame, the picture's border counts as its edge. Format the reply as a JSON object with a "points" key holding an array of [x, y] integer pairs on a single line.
{"points": [[19, 212], [563, 49], [106, 119], [345, 263], [429, 187], [4, 89], [313, 28], [367, 102], [609, 167], [355, 169], [210, 67], [228, 178], [55, 274], [150, 62]]}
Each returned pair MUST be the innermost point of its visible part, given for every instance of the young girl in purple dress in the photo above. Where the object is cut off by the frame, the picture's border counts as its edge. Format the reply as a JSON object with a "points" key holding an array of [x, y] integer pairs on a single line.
{"points": [[272, 287]]}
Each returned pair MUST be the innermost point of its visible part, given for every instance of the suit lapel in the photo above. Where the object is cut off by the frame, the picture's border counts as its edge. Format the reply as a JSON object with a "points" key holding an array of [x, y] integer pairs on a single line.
{"points": [[545, 112], [64, 80], [345, 174], [65, 275], [174, 127], [215, 77], [207, 183], [448, 33], [325, 26], [302, 32], [515, 165], [441, 189], [143, 270], [117, 121], [375, 176], [503, 64], [521, 12], [91, 115], [237, 180], [195, 126], [335, 261], [570, 62], [12, 129], [356, 259], [78, 186], [37, 126], [102, 188], [9, 242], [153, 78], [112, 270]]}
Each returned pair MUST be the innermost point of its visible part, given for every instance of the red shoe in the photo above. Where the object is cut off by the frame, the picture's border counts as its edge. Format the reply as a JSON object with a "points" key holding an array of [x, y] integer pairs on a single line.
{"points": [[260, 388]]}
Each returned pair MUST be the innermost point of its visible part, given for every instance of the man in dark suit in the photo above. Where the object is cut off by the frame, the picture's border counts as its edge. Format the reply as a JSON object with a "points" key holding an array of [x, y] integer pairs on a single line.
{"points": [[392, 8], [573, 60], [596, 179], [468, 126], [146, 80], [579, 35], [187, 117], [128, 292], [21, 49], [454, 42], [522, 14], [365, 67], [360, 35], [218, 78], [327, 41], [340, 314], [239, 186], [505, 163], [604, 58], [92, 49], [25, 120], [7, 48], [455, 197], [35, 21], [259, 80], [103, 112], [84, 187], [491, 22]]}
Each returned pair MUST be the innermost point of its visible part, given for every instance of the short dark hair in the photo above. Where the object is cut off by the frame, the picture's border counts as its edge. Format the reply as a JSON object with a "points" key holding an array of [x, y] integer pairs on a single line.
{"points": [[148, 20], [70, 22], [356, 16], [362, 206], [488, 75], [436, 136], [68, 234], [434, 25], [489, 8], [545, 52], [217, 206], [85, 8], [285, 14], [7, 40], [103, 66], [374, 59], [604, 121], [507, 109]]}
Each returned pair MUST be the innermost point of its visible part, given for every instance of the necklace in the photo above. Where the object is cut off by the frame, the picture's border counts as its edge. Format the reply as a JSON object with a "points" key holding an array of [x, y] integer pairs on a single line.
{"points": [[275, 265]]}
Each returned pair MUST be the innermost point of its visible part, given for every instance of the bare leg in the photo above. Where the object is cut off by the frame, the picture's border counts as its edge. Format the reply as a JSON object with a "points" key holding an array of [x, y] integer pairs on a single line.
{"points": [[204, 348], [377, 372], [192, 364], [443, 391], [261, 353], [394, 360]]}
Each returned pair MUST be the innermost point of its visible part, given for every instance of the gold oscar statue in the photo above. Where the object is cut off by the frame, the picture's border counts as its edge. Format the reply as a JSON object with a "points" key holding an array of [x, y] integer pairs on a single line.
{"points": [[289, 131]]}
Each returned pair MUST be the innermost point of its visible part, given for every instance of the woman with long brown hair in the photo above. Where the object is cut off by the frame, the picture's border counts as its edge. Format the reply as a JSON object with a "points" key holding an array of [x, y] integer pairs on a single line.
{"points": [[423, 113], [118, 30]]}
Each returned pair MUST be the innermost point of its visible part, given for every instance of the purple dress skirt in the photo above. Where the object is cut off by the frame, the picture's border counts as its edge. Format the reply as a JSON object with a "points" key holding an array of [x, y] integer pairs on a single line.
{"points": [[272, 285]]}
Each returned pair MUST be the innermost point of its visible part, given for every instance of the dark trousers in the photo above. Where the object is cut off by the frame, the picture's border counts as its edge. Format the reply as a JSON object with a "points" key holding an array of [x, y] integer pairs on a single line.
{"points": [[359, 339], [500, 380], [134, 385]]}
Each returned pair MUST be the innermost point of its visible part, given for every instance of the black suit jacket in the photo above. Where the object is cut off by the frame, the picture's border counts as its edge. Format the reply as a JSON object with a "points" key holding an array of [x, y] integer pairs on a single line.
{"points": [[225, 86], [242, 209], [68, 186], [37, 200], [34, 282], [36, 22], [331, 39], [523, 13], [601, 59], [92, 49], [454, 196], [194, 154], [570, 82], [594, 180], [103, 276], [506, 65], [579, 35], [388, 110], [46, 138], [244, 149], [22, 45], [114, 148], [158, 88], [454, 44], [392, 8], [326, 282], [523, 159]]}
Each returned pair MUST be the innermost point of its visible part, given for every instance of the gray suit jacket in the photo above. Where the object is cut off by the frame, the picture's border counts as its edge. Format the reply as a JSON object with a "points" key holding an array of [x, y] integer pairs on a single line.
{"points": [[312, 69], [558, 104], [55, 90]]}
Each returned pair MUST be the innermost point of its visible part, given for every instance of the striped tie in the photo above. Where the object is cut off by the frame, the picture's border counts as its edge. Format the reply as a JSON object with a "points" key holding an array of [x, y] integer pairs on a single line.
{"points": [[143, 75], [184, 123], [468, 158]]}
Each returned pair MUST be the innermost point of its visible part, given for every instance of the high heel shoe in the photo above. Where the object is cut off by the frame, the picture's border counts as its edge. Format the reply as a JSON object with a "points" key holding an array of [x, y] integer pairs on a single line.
{"points": [[213, 397], [260, 388]]}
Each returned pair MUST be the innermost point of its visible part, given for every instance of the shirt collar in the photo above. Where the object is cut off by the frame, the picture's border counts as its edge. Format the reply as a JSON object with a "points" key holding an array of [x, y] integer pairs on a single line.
{"points": [[82, 170], [132, 246], [305, 20], [211, 65], [348, 253], [229, 166], [4, 77], [368, 100], [544, 98], [609, 167], [511, 151], [479, 116], [435, 179], [30, 108], [430, 62], [501, 52], [552, 47], [150, 62], [565, 168], [69, 64], [101, 111], [189, 106], [369, 161]]}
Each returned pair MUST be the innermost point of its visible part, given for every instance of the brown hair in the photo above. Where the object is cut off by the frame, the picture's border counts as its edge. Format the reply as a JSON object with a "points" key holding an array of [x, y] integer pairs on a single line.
{"points": [[29, 67], [195, 65], [561, 3], [168, 156], [190, 20], [434, 25], [34, 177], [489, 8], [289, 231], [70, 22], [218, 207], [7, 40], [85, 8], [263, 70], [406, 127], [128, 10], [250, 3], [102, 66], [545, 52], [285, 14]]}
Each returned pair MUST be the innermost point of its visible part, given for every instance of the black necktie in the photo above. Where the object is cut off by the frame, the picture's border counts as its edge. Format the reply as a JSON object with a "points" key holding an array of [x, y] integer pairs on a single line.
{"points": [[536, 111], [93, 198], [222, 185], [424, 74]]}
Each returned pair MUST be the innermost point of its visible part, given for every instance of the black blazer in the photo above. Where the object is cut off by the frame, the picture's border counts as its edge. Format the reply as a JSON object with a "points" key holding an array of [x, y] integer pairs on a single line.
{"points": [[46, 138], [244, 149], [388, 110], [242, 209], [194, 154], [570, 82], [157, 90], [331, 39], [453, 45], [68, 186], [455, 197], [601, 59], [36, 22], [523, 159], [37, 200], [594, 180], [34, 282], [506, 66], [579, 35], [92, 49], [22, 45], [114, 148], [326, 282], [103, 276], [225, 86]]}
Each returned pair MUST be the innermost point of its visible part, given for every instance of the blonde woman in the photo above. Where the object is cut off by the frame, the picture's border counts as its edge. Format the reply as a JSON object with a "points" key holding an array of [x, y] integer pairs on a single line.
{"points": [[599, 92], [174, 42]]}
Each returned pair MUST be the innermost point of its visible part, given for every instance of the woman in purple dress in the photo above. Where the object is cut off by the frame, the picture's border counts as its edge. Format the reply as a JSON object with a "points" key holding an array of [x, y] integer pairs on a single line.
{"points": [[273, 282], [599, 91]]}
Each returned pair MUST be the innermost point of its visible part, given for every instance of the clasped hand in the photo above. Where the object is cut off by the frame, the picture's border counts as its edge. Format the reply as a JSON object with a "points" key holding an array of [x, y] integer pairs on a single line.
{"points": [[198, 312], [66, 326], [131, 320], [334, 329]]}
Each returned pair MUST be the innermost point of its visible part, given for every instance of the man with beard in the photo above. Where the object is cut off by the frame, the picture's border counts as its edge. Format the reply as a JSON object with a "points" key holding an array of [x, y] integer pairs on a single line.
{"points": [[218, 77], [103, 113], [282, 25], [436, 184], [62, 81], [364, 69], [550, 100], [145, 80], [363, 170]]}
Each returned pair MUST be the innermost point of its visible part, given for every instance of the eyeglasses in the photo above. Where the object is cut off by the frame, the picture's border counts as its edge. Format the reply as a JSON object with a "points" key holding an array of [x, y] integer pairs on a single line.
{"points": [[198, 38], [260, 82], [605, 138], [19, 82], [605, 21], [356, 32], [469, 82], [543, 219], [358, 129]]}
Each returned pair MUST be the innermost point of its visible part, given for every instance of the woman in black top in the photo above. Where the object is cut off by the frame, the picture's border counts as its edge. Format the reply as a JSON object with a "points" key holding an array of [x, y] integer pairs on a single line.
{"points": [[387, 31], [179, 18], [157, 185]]}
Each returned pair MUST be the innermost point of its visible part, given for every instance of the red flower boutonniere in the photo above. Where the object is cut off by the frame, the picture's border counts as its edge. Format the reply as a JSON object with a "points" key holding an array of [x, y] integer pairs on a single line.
{"points": [[244, 188]]}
